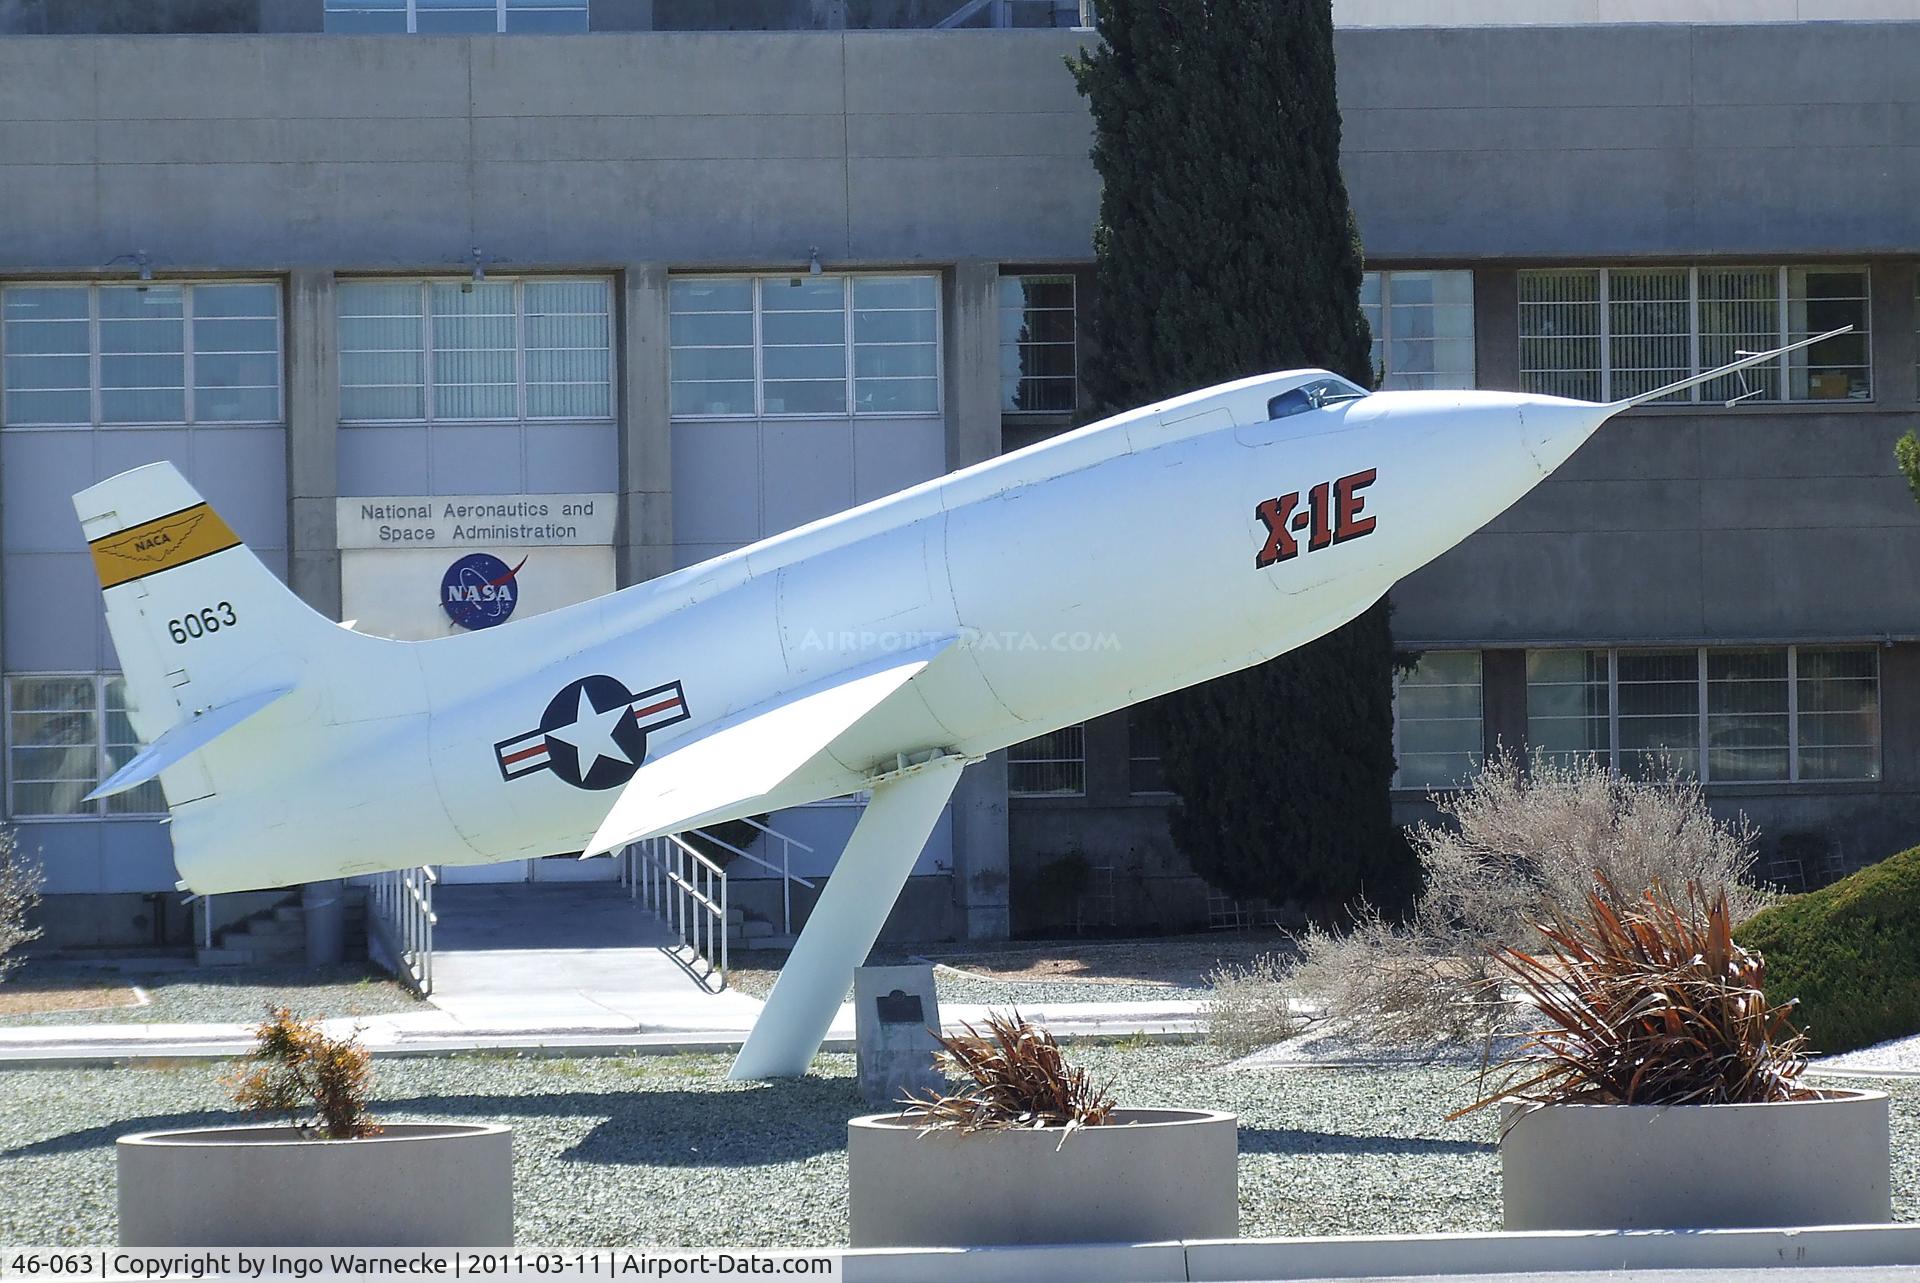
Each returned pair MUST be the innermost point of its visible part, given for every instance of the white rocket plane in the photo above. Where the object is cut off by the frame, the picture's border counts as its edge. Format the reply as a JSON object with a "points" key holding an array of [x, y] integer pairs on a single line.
{"points": [[883, 648]]}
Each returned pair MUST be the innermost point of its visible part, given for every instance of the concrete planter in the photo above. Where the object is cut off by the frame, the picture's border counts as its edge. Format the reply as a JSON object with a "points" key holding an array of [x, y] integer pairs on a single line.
{"points": [[1150, 1175], [1822, 1161], [414, 1185]]}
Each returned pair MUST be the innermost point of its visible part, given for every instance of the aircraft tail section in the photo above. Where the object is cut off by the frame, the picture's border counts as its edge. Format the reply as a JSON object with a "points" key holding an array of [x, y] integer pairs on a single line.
{"points": [[206, 635]]}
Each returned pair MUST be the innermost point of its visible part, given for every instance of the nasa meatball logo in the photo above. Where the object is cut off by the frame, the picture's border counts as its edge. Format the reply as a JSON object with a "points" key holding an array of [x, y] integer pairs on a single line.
{"points": [[479, 591], [593, 734]]}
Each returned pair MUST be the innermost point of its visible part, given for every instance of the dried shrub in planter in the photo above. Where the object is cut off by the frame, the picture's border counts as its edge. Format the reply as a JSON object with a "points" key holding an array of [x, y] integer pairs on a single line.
{"points": [[1649, 1004], [1525, 841], [1012, 1076], [320, 1084]]}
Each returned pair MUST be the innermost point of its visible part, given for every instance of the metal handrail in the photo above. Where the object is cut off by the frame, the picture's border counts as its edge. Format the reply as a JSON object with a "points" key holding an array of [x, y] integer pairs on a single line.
{"points": [[784, 868], [400, 915], [770, 831], [750, 857], [678, 883]]}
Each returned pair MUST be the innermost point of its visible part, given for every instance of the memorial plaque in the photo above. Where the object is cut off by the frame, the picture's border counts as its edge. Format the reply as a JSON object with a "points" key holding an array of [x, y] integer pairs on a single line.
{"points": [[895, 1014]]}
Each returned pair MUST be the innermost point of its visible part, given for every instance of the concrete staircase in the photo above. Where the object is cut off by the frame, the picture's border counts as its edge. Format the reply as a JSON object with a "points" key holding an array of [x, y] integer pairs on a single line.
{"points": [[750, 931], [277, 937]]}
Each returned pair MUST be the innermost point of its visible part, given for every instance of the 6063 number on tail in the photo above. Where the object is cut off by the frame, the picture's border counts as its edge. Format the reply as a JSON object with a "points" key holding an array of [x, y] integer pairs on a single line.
{"points": [[199, 623]]}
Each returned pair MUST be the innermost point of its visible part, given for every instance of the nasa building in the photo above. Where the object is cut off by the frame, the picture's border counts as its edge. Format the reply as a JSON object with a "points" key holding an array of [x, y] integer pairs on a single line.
{"points": [[463, 310]]}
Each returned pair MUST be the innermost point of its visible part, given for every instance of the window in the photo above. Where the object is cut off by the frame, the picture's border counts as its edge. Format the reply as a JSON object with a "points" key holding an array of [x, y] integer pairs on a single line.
{"points": [[1315, 395], [1764, 714], [1658, 698], [454, 17], [1747, 715], [1836, 713], [1603, 334], [896, 345], [804, 346], [1050, 765], [122, 355], [1568, 703], [1422, 325], [66, 733], [1144, 771], [486, 351], [1436, 720], [1038, 370]]}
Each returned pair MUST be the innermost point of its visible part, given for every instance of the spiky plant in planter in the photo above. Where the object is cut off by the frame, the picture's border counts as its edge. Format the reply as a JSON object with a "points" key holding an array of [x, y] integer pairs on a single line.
{"points": [[1012, 1076], [1649, 1003], [1662, 1090], [319, 1084], [990, 1161]]}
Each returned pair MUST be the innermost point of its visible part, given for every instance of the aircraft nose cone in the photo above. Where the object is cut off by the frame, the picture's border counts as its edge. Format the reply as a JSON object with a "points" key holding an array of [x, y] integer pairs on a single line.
{"points": [[1552, 428]]}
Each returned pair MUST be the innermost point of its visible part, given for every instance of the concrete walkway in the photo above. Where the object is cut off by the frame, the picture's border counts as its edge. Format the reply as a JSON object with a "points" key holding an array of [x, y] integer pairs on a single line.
{"points": [[562, 970], [581, 958]]}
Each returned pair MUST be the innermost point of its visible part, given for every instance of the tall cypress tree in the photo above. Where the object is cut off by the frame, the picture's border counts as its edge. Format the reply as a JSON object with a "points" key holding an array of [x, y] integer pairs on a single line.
{"points": [[1226, 248]]}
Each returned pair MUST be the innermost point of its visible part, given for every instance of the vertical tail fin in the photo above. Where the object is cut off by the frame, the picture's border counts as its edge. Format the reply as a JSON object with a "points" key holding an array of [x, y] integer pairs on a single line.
{"points": [[200, 624]]}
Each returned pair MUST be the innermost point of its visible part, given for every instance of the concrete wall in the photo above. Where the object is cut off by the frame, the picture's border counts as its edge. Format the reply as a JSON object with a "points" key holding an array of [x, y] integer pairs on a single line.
{"points": [[1593, 141], [898, 147], [352, 152], [160, 17]]}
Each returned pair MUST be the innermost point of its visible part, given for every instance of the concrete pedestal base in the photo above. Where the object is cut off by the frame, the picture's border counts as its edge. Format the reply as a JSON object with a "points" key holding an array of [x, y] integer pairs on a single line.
{"points": [[1823, 1161], [414, 1185], [1150, 1175]]}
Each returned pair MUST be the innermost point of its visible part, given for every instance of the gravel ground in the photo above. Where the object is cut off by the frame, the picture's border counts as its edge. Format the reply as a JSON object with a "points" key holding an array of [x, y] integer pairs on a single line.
{"points": [[1902, 1054], [663, 1151], [196, 994], [1024, 973], [959, 986], [953, 986]]}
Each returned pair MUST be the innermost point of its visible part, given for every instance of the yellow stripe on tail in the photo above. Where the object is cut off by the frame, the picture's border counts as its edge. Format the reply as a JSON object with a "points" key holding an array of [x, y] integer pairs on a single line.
{"points": [[160, 544]]}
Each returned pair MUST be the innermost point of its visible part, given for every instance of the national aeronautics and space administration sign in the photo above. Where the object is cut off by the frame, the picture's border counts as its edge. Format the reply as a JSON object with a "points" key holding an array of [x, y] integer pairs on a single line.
{"points": [[477, 521], [424, 566]]}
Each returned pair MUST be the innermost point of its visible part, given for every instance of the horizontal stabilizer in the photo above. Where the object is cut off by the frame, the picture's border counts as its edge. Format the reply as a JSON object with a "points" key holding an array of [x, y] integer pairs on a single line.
{"points": [[186, 738], [751, 754], [1731, 367]]}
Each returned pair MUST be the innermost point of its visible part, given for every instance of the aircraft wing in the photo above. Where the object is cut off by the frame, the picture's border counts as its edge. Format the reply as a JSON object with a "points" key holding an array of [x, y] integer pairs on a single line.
{"points": [[751, 754], [186, 738]]}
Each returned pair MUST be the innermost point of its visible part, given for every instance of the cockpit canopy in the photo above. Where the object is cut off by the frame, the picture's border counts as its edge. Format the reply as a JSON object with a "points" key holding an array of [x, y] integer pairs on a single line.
{"points": [[1327, 390]]}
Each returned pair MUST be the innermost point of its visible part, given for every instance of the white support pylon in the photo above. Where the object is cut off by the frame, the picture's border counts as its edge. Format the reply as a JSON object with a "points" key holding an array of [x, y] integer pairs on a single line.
{"points": [[844, 924]]}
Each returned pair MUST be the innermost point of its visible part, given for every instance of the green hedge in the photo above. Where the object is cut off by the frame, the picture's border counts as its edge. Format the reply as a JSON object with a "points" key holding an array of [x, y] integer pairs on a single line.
{"points": [[1850, 953]]}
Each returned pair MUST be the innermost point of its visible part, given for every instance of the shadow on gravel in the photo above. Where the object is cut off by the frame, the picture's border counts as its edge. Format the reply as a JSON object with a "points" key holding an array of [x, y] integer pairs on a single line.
{"points": [[749, 1127], [1288, 1140]]}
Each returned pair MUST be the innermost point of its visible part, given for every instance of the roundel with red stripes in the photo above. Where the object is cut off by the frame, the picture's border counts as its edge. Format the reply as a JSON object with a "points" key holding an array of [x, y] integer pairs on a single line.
{"points": [[593, 733]]}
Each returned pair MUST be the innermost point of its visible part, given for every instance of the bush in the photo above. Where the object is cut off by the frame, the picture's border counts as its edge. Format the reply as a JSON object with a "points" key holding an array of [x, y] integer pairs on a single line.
{"points": [[1012, 1076], [1849, 953], [1249, 1007], [19, 893], [1649, 1004], [319, 1084], [1527, 842]]}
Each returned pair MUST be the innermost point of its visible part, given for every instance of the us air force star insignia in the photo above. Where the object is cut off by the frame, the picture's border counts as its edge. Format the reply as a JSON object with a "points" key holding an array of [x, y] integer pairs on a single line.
{"points": [[593, 734]]}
